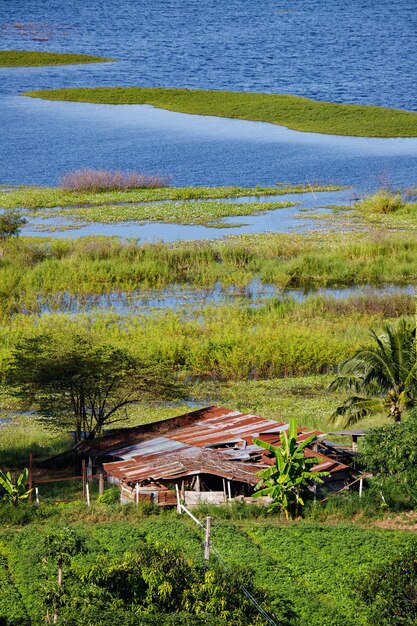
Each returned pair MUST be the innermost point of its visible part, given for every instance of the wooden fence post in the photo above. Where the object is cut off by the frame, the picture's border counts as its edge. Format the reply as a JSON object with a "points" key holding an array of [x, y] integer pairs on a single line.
{"points": [[100, 484], [207, 541], [30, 474], [84, 472], [177, 491]]}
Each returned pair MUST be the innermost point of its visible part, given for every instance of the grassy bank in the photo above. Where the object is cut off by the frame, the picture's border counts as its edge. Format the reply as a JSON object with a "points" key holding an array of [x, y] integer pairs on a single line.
{"points": [[294, 112], [324, 563], [28, 58], [48, 197], [203, 213]]}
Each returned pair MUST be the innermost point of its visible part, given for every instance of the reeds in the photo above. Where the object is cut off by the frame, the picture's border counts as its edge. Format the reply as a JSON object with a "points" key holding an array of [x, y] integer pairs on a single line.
{"points": [[383, 201], [36, 272], [105, 180]]}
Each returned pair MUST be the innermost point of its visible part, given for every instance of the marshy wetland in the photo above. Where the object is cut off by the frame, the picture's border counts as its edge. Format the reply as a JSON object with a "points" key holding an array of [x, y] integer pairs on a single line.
{"points": [[225, 191]]}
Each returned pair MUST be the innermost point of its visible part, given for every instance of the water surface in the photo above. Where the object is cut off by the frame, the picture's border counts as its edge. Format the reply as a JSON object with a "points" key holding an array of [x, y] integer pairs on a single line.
{"points": [[359, 52]]}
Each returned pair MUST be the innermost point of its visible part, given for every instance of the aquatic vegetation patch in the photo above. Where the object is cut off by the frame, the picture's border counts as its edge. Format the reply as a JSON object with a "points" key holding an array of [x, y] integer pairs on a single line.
{"points": [[383, 201], [390, 209], [32, 270], [28, 58], [47, 197], [292, 111], [205, 213]]}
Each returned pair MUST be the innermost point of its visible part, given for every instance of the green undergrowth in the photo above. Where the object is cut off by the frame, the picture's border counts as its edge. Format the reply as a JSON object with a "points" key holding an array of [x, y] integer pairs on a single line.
{"points": [[292, 111], [323, 563], [206, 213], [49, 197], [27, 58], [36, 273]]}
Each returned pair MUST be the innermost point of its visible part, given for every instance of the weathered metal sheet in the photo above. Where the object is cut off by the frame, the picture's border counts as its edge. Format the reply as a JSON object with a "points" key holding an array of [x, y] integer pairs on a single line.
{"points": [[215, 440]]}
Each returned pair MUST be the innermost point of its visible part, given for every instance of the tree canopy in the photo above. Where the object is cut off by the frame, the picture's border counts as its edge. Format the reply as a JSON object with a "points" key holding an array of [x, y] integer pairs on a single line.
{"points": [[77, 380], [10, 224]]}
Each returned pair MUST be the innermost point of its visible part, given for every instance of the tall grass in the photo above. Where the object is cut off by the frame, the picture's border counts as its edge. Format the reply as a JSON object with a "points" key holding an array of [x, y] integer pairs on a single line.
{"points": [[383, 201], [105, 180], [35, 272], [220, 343], [25, 433]]}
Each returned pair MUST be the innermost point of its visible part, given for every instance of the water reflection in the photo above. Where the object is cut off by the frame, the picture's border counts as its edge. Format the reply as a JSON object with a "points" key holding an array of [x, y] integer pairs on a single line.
{"points": [[177, 297]]}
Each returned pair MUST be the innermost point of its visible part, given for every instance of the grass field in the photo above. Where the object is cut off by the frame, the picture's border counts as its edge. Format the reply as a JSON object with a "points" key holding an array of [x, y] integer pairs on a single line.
{"points": [[314, 566], [292, 111], [28, 58]]}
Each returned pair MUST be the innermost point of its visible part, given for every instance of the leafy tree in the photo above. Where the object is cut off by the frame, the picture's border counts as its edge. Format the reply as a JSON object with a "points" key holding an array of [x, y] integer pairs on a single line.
{"points": [[160, 585], [74, 379], [15, 490], [382, 376], [59, 546], [390, 591], [10, 225], [288, 478]]}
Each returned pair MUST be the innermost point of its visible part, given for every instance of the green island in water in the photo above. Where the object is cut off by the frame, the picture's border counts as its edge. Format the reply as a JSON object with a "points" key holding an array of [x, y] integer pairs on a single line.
{"points": [[34, 58], [294, 112]]}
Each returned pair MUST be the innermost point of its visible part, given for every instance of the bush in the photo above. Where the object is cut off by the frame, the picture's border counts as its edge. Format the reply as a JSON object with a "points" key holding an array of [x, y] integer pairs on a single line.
{"points": [[103, 180], [391, 451], [391, 591], [110, 496], [383, 201]]}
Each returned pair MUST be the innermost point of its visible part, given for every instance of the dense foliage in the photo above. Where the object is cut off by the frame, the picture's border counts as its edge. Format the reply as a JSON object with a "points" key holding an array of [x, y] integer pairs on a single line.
{"points": [[391, 591], [322, 562], [392, 450]]}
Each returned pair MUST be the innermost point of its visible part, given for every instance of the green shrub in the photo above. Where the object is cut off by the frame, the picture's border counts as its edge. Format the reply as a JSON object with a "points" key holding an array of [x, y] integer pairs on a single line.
{"points": [[110, 496], [390, 591], [390, 453], [383, 201]]}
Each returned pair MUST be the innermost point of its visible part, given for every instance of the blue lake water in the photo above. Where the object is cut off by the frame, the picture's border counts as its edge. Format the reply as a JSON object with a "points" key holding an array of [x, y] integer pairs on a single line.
{"points": [[294, 218], [360, 52]]}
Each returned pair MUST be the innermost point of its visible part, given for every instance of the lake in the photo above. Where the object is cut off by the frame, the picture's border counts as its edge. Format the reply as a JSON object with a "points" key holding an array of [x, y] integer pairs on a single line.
{"points": [[359, 52]]}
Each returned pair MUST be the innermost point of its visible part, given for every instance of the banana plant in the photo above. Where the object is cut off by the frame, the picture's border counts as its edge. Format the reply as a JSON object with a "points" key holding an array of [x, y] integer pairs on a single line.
{"points": [[288, 478], [15, 490]]}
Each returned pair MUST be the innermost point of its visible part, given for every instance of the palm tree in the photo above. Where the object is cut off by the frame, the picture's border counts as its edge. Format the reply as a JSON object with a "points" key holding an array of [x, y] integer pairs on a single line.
{"points": [[382, 376]]}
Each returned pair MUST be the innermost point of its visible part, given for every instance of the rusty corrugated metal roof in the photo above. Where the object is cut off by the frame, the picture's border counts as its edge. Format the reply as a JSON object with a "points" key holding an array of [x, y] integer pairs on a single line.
{"points": [[189, 447], [192, 461]]}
